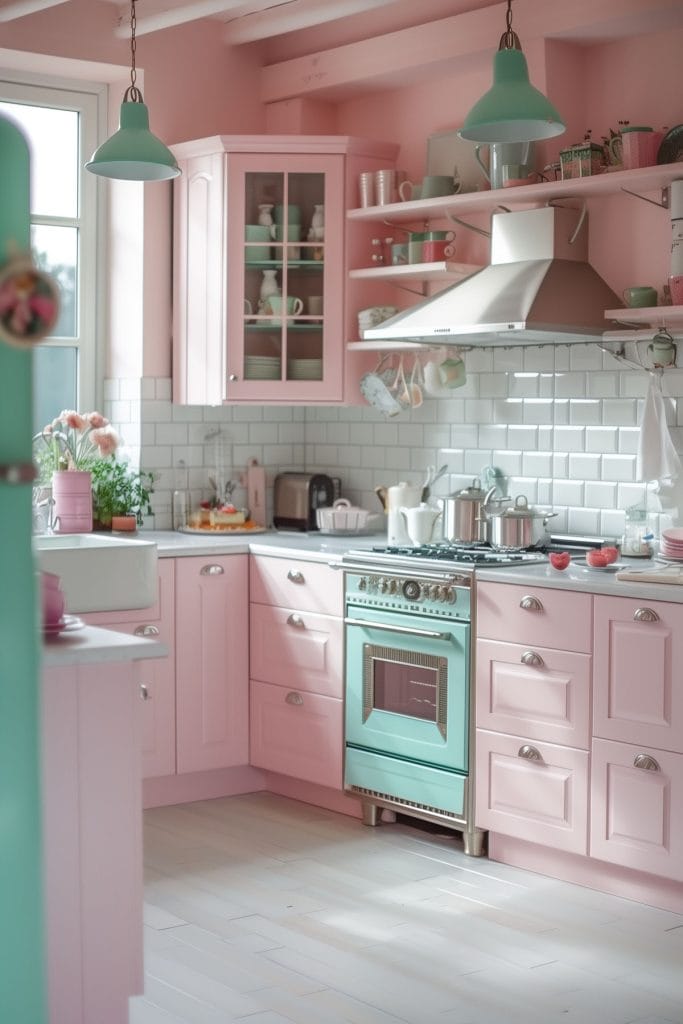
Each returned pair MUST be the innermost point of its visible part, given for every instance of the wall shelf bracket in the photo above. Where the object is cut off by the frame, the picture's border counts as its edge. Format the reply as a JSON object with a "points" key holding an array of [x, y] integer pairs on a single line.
{"points": [[664, 203]]}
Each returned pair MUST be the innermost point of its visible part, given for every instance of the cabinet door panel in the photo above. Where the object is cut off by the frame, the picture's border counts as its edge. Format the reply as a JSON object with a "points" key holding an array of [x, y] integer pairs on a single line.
{"points": [[298, 649], [306, 586], [561, 620], [155, 677], [540, 693], [297, 734], [212, 682], [637, 693], [544, 801], [635, 818]]}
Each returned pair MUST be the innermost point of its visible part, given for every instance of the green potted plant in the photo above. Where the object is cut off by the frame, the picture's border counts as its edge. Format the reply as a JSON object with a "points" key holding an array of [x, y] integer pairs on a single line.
{"points": [[120, 495]]}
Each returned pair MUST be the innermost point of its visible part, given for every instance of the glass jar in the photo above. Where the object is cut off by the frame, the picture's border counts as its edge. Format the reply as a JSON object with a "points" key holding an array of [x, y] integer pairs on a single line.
{"points": [[636, 540]]}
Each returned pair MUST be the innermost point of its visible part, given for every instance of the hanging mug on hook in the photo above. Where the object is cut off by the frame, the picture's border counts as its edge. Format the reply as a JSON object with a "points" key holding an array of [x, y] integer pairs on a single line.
{"points": [[662, 348]]}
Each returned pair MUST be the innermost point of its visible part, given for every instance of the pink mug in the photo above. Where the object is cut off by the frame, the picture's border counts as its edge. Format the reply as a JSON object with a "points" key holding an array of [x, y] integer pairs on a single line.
{"points": [[52, 599], [434, 250]]}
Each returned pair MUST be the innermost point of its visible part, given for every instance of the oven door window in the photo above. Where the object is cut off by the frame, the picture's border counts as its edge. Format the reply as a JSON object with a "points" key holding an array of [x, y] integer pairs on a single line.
{"points": [[405, 683]]}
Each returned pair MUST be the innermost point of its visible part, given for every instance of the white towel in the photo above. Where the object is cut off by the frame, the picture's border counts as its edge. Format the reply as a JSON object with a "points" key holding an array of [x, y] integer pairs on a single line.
{"points": [[657, 457]]}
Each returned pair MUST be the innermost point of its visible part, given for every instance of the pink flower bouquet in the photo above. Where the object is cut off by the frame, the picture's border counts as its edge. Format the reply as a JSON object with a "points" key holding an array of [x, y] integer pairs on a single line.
{"points": [[75, 441]]}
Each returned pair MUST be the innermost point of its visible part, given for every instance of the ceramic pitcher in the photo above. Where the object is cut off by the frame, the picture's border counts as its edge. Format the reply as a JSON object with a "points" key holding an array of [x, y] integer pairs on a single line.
{"points": [[419, 522]]}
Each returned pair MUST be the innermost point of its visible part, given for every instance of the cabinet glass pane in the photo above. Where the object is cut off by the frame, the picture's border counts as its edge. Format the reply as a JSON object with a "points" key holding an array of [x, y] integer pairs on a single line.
{"points": [[283, 276]]}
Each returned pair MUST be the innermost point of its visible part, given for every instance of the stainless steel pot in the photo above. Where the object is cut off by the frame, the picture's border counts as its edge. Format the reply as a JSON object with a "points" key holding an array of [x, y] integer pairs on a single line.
{"points": [[518, 527], [464, 519]]}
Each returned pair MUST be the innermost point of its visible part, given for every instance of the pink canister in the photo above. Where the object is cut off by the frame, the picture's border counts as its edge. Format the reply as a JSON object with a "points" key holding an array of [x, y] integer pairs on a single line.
{"points": [[640, 145]]}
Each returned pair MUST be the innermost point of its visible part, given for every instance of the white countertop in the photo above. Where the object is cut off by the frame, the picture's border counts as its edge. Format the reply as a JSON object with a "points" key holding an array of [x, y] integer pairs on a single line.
{"points": [[315, 547], [92, 644]]}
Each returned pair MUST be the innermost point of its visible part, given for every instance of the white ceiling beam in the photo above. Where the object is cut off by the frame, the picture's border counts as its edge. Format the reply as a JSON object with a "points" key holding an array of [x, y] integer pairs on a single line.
{"points": [[293, 17], [173, 16], [10, 12]]}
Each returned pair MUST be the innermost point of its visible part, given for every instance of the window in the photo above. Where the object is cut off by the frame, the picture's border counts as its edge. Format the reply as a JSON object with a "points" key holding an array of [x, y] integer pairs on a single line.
{"points": [[61, 126]]}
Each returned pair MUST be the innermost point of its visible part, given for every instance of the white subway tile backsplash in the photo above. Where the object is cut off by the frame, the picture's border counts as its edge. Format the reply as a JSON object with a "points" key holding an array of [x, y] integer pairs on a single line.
{"points": [[566, 434]]}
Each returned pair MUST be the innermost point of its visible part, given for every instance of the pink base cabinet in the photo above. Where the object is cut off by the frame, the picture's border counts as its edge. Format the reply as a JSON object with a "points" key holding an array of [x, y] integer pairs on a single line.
{"points": [[297, 654], [539, 766], [92, 841]]}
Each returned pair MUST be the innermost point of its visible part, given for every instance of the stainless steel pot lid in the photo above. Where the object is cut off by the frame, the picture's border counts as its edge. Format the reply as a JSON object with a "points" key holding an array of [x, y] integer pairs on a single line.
{"points": [[523, 510]]}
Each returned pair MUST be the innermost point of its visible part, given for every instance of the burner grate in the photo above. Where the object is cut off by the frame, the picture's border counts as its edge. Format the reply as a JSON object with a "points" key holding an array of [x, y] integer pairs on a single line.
{"points": [[474, 554]]}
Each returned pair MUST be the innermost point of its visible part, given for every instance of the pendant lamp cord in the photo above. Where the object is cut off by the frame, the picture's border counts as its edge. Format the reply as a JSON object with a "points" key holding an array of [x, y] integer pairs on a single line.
{"points": [[133, 94], [509, 39]]}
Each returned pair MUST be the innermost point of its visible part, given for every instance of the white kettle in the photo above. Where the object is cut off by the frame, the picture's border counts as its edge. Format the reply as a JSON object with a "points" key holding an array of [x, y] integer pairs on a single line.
{"points": [[400, 496], [419, 522]]}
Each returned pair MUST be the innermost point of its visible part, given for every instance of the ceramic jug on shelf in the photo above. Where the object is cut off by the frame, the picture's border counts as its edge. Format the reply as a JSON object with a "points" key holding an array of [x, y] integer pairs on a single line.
{"points": [[265, 215], [269, 286], [317, 231]]}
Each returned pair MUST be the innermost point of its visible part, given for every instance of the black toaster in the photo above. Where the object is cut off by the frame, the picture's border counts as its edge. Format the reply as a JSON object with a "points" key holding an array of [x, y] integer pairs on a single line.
{"points": [[297, 496]]}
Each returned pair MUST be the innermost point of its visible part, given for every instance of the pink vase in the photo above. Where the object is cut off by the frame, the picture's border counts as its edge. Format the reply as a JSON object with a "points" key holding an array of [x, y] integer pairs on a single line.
{"points": [[72, 493]]}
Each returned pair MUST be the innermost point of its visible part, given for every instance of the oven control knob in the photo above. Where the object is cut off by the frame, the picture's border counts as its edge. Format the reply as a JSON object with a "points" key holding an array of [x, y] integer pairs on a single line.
{"points": [[449, 595], [362, 583], [393, 586], [383, 585], [411, 590], [435, 592]]}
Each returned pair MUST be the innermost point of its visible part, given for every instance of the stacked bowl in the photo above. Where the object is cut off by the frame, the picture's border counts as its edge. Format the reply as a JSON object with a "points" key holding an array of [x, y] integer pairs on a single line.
{"points": [[374, 316], [671, 546]]}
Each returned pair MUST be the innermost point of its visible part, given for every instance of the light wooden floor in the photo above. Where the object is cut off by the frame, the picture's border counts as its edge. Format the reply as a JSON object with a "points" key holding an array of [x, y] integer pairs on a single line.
{"points": [[263, 910]]}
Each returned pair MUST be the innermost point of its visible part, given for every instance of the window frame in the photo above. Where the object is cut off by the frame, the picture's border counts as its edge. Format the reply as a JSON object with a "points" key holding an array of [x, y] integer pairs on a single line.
{"points": [[89, 99]]}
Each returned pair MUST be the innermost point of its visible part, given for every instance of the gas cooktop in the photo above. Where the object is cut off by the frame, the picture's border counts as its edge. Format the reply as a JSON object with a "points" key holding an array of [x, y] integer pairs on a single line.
{"points": [[462, 556]]}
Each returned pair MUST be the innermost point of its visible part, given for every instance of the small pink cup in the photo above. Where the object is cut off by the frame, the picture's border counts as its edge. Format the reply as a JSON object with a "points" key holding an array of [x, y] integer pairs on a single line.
{"points": [[52, 599], [434, 250]]}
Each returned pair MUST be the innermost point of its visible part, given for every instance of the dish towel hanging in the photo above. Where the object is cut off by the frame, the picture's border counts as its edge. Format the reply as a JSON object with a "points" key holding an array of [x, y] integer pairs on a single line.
{"points": [[657, 458]]}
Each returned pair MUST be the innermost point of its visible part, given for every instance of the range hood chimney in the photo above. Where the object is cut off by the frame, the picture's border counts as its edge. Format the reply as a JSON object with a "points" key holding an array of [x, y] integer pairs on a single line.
{"points": [[538, 289]]}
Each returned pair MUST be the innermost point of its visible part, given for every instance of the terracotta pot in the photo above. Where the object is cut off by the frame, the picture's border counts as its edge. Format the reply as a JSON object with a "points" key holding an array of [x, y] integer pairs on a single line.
{"points": [[124, 523]]}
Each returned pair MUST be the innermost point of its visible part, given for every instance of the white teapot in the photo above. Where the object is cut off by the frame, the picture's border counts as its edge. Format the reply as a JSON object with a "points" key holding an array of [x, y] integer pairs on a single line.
{"points": [[401, 495], [419, 522]]}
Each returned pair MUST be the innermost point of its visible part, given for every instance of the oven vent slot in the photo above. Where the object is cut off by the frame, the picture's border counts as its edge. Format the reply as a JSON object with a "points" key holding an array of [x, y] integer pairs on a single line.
{"points": [[400, 802]]}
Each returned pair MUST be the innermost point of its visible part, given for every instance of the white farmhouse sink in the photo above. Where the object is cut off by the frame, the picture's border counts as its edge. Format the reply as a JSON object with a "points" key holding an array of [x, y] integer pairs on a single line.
{"points": [[100, 572]]}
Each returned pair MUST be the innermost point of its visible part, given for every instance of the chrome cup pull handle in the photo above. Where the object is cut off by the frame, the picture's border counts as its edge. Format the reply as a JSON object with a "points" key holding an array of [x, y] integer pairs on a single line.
{"points": [[531, 604], [211, 570], [144, 692], [645, 615], [294, 698], [529, 753], [646, 762], [146, 630], [296, 621], [531, 658], [295, 576]]}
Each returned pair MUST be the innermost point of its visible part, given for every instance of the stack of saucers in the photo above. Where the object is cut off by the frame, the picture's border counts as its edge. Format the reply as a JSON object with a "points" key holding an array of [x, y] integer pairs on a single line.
{"points": [[672, 544], [262, 367], [305, 369]]}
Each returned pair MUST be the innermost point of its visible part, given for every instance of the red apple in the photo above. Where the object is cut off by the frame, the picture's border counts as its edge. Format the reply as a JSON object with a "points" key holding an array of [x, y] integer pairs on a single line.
{"points": [[559, 559], [597, 558], [610, 553]]}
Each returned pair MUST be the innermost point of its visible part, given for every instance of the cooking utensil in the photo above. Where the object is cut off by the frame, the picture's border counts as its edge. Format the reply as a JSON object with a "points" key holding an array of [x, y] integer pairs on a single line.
{"points": [[518, 527], [464, 515]]}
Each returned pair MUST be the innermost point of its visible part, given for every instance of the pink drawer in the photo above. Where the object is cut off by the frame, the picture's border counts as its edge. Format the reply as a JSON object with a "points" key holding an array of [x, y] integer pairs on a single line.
{"points": [[297, 733], [544, 800], [535, 615], [635, 811], [299, 649], [287, 583], [533, 691]]}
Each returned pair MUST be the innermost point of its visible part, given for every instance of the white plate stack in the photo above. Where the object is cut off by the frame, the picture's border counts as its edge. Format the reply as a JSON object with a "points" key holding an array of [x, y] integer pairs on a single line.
{"points": [[262, 367], [304, 369], [374, 316], [671, 546]]}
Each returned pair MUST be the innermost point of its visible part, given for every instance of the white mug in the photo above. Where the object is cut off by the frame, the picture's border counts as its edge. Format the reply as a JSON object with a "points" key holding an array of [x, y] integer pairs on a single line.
{"points": [[419, 522]]}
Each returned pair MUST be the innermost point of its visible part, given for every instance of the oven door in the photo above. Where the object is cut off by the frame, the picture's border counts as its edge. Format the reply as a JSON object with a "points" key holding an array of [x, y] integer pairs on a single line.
{"points": [[407, 686]]}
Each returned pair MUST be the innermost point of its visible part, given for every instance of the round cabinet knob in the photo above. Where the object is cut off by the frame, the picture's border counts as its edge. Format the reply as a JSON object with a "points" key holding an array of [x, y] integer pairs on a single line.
{"points": [[362, 583], [233, 377]]}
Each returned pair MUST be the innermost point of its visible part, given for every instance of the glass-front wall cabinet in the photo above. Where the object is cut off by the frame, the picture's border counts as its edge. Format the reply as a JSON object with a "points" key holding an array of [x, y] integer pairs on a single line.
{"points": [[285, 223]]}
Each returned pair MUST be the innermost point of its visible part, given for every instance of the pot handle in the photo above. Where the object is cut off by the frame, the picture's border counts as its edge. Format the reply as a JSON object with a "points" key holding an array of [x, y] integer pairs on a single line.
{"points": [[550, 515]]}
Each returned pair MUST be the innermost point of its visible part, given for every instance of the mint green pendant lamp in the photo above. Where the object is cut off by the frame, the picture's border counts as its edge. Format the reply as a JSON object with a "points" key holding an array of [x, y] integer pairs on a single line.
{"points": [[133, 153], [512, 110]]}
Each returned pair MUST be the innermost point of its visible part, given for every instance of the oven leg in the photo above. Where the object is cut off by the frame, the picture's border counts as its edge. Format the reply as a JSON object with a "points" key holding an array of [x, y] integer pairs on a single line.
{"points": [[473, 843], [370, 813]]}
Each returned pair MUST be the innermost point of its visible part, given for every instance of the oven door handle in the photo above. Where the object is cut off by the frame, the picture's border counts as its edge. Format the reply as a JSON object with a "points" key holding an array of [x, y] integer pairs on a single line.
{"points": [[429, 634]]}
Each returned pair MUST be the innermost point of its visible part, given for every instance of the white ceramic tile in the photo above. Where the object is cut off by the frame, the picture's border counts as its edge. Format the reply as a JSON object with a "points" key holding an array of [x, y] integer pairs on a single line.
{"points": [[493, 435], [601, 439], [537, 464], [584, 466], [569, 439], [620, 412], [538, 410], [619, 467], [585, 357], [568, 492], [600, 495], [508, 410], [508, 359], [524, 385], [602, 385], [523, 437], [585, 412], [583, 521]]}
